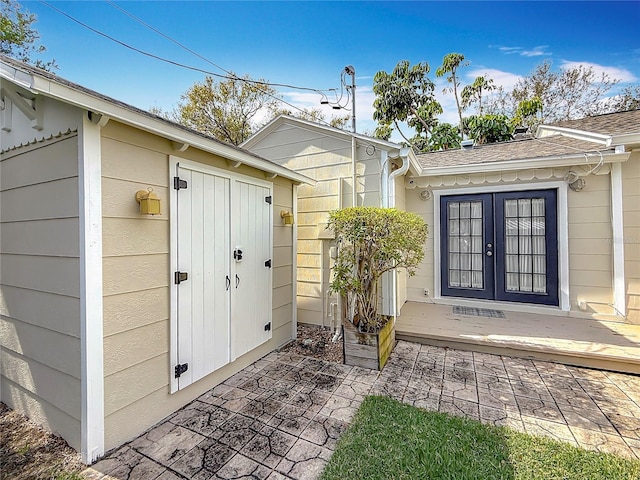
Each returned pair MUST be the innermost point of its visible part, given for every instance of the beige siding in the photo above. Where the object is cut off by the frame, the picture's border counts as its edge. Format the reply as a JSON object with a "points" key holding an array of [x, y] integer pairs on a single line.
{"points": [[136, 282], [590, 245], [631, 207], [327, 160], [39, 284], [424, 274]]}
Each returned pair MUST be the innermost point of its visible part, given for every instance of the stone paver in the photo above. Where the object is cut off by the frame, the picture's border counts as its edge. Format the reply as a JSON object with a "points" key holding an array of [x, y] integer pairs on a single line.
{"points": [[281, 417]]}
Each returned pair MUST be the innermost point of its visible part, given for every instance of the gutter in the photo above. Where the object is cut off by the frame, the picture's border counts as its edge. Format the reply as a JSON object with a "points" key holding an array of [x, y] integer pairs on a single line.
{"points": [[404, 155], [525, 164]]}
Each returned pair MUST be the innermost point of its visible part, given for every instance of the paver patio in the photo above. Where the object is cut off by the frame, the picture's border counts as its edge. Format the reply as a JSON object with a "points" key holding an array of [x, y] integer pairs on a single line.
{"points": [[281, 417]]}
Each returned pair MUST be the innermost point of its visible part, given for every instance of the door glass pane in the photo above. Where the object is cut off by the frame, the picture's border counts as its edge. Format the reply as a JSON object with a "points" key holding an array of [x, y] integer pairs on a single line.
{"points": [[466, 269], [525, 255]]}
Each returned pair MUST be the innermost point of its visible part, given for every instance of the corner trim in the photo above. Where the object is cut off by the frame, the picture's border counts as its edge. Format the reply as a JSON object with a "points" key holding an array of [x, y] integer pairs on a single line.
{"points": [[617, 225], [91, 303]]}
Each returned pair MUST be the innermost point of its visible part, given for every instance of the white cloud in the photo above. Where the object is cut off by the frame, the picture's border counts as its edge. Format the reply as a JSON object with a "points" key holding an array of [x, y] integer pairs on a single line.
{"points": [[538, 51], [614, 73], [500, 78]]}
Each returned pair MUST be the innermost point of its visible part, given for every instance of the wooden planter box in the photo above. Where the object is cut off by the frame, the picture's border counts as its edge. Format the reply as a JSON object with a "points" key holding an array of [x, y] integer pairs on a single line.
{"points": [[369, 350]]}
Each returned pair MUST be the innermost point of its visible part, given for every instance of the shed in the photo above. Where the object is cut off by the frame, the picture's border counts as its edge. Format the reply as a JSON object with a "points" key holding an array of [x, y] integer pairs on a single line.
{"points": [[110, 319]]}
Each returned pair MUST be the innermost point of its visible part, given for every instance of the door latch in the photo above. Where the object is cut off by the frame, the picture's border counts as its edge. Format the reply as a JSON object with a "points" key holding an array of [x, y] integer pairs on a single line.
{"points": [[237, 254]]}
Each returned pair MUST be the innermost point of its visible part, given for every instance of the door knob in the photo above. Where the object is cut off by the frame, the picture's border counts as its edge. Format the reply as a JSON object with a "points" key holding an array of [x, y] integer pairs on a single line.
{"points": [[489, 253]]}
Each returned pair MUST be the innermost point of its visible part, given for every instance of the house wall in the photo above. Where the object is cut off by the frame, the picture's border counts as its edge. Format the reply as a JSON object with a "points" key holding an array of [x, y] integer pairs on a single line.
{"points": [[136, 282], [327, 160], [39, 282], [631, 217], [589, 243]]}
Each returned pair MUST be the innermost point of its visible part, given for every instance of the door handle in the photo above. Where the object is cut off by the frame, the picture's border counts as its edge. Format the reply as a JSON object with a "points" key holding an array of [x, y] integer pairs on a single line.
{"points": [[489, 253], [237, 280], [228, 282]]}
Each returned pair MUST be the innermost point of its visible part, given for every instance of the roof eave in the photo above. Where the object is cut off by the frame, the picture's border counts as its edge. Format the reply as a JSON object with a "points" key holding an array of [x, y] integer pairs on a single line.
{"points": [[50, 88], [549, 130], [326, 129], [523, 164]]}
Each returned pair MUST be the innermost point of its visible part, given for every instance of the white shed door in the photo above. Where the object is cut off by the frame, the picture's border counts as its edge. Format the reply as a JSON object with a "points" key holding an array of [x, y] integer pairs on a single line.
{"points": [[251, 305], [203, 253], [223, 238]]}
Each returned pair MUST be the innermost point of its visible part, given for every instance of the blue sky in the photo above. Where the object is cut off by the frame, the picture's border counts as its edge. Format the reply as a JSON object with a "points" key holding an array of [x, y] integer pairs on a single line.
{"points": [[309, 43]]}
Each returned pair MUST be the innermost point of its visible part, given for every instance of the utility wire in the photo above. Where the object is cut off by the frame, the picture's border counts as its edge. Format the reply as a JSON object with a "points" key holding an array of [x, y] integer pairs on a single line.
{"points": [[230, 76]]}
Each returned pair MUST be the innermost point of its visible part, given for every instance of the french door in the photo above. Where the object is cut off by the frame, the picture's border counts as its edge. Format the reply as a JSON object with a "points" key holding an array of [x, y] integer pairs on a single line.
{"points": [[500, 246]]}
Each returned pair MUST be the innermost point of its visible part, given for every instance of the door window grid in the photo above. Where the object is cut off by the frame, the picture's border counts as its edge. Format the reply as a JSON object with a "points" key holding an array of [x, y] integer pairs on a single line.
{"points": [[525, 252], [465, 244]]}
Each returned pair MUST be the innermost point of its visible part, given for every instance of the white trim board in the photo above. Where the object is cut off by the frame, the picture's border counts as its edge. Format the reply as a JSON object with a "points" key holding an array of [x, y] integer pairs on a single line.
{"points": [[91, 303], [563, 236]]}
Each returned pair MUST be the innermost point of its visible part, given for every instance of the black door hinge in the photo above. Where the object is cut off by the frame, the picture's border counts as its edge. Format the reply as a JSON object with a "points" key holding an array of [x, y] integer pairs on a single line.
{"points": [[180, 277], [268, 263], [268, 199], [179, 184], [180, 369], [267, 327]]}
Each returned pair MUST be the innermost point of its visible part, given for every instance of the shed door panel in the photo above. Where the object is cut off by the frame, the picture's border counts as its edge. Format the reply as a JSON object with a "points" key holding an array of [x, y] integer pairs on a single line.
{"points": [[251, 225], [203, 252]]}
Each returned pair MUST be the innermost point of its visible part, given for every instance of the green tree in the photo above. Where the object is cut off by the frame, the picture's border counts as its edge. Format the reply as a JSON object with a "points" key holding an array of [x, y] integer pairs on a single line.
{"points": [[405, 95], [230, 110], [444, 136], [18, 37], [371, 242], [527, 114], [489, 128], [473, 93], [450, 65]]}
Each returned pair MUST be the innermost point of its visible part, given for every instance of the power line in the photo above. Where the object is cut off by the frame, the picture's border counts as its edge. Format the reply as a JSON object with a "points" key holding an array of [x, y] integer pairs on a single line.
{"points": [[230, 76]]}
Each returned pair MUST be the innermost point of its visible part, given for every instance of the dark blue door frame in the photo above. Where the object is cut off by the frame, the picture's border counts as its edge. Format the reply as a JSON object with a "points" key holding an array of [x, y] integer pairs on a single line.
{"points": [[494, 240]]}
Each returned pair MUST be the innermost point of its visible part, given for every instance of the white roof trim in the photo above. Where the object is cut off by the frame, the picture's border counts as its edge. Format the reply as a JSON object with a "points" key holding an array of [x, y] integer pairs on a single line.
{"points": [[328, 130], [549, 130], [50, 88], [525, 164]]}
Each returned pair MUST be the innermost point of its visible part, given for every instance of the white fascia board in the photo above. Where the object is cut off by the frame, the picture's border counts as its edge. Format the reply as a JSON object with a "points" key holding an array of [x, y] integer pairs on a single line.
{"points": [[626, 139], [526, 164], [549, 130], [138, 120]]}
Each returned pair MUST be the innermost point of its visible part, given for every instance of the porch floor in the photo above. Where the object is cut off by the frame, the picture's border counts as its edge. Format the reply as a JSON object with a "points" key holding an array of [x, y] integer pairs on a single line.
{"points": [[602, 344]]}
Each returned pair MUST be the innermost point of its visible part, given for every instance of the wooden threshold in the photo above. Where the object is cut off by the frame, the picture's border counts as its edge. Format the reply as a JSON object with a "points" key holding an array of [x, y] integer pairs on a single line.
{"points": [[584, 342]]}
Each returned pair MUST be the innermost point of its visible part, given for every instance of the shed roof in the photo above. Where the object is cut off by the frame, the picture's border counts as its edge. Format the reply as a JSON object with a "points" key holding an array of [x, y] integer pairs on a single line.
{"points": [[48, 84]]}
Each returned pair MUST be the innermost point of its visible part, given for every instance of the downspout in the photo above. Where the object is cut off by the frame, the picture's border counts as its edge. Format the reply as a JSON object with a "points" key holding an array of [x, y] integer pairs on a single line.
{"points": [[338, 316], [392, 278], [354, 197]]}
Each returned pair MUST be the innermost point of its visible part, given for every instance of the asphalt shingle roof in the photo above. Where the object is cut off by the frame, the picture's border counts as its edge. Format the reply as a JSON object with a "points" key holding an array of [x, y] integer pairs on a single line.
{"points": [[608, 124], [538, 148], [528, 148]]}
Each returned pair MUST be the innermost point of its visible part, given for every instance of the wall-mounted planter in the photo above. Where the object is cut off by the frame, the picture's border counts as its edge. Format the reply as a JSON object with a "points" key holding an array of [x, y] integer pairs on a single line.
{"points": [[369, 350]]}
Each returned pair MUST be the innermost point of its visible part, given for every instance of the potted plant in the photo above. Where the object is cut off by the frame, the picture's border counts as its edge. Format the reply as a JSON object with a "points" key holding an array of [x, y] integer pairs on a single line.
{"points": [[371, 241]]}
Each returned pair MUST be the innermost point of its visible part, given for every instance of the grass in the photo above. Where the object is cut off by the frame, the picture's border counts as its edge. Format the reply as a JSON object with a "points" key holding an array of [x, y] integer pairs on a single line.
{"points": [[390, 440]]}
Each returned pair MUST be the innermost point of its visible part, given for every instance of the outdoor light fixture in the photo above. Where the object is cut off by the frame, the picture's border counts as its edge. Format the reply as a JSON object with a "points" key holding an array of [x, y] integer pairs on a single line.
{"points": [[287, 216], [149, 202]]}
